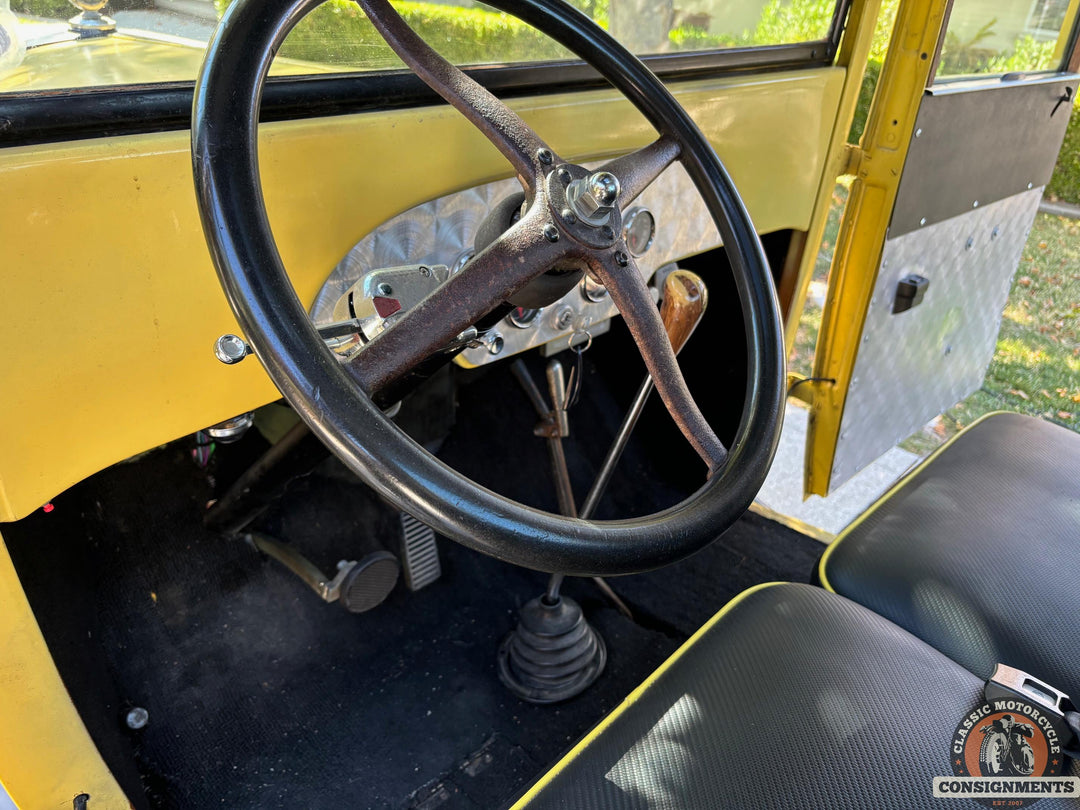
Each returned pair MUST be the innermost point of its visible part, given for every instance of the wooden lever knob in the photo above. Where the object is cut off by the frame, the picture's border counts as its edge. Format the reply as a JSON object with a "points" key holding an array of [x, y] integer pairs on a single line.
{"points": [[685, 299]]}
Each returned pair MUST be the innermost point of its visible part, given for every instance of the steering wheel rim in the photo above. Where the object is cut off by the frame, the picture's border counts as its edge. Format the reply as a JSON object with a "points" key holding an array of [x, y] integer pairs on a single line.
{"points": [[225, 163]]}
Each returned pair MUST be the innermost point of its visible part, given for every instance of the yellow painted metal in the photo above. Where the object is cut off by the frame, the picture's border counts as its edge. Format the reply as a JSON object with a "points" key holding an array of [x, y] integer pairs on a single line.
{"points": [[800, 387], [793, 523], [853, 54], [862, 230], [111, 305], [46, 755], [1066, 31], [122, 59]]}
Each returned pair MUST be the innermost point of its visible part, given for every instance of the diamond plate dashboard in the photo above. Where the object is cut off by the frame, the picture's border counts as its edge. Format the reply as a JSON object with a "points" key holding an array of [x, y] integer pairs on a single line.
{"points": [[443, 230]]}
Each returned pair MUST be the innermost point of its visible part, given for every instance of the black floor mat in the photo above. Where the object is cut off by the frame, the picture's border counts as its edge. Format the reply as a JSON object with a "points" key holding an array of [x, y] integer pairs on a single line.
{"points": [[753, 551], [259, 695]]}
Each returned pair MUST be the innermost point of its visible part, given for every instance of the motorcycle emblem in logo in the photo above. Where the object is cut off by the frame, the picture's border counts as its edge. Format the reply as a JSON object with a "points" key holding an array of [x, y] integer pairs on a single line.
{"points": [[1005, 749], [1013, 741]]}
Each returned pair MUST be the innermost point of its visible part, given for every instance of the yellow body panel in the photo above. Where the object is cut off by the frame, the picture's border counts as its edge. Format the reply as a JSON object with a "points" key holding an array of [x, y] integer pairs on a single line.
{"points": [[1066, 30], [111, 305], [122, 59], [854, 52], [46, 756]]}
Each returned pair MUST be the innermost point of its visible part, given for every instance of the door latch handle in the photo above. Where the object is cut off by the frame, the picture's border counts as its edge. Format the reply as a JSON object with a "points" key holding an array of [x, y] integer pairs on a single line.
{"points": [[1065, 97]]}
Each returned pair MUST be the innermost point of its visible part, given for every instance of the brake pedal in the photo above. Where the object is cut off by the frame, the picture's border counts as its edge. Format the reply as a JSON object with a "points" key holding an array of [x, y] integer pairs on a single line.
{"points": [[419, 553]]}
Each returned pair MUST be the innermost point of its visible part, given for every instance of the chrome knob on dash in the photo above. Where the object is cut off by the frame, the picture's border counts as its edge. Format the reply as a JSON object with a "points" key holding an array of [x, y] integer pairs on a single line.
{"points": [[231, 349]]}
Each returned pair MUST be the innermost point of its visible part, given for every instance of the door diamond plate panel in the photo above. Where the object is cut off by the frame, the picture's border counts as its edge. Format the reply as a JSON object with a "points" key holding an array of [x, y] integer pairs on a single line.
{"points": [[916, 364]]}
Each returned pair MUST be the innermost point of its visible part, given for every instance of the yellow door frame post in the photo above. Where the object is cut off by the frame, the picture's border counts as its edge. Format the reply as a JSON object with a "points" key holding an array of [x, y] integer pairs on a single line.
{"points": [[1065, 36], [852, 56], [878, 166]]}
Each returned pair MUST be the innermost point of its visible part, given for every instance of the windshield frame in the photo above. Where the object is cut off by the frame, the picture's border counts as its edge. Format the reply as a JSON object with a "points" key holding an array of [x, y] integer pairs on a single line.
{"points": [[36, 117]]}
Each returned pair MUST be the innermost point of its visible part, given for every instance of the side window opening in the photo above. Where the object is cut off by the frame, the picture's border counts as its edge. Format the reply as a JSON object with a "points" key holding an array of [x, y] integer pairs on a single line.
{"points": [[997, 37]]}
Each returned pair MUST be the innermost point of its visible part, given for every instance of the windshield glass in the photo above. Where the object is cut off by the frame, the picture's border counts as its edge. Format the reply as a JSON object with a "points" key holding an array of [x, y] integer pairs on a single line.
{"points": [[163, 40]]}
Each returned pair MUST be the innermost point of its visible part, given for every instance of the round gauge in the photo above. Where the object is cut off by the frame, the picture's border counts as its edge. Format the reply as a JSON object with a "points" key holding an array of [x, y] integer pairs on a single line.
{"points": [[593, 290], [523, 318], [639, 230]]}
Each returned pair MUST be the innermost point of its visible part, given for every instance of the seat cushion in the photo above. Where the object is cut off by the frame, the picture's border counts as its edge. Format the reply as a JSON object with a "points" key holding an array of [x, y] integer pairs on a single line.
{"points": [[790, 697], [978, 551]]}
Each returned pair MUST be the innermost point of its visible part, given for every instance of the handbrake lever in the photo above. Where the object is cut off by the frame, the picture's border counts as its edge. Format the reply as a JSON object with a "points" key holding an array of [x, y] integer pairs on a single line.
{"points": [[685, 300]]}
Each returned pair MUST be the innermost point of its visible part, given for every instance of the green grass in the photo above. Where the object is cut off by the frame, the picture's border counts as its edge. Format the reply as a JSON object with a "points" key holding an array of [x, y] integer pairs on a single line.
{"points": [[1065, 184], [338, 32]]}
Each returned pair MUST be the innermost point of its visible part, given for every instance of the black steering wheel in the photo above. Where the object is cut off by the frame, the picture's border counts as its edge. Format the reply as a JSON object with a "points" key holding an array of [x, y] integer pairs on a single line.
{"points": [[572, 219]]}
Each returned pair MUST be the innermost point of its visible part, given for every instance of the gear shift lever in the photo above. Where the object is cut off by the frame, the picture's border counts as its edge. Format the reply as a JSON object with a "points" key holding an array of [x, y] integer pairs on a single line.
{"points": [[554, 654]]}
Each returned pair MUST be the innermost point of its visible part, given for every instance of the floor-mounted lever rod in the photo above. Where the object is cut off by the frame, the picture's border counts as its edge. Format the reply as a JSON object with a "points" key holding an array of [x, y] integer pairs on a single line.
{"points": [[553, 426], [685, 300], [684, 303]]}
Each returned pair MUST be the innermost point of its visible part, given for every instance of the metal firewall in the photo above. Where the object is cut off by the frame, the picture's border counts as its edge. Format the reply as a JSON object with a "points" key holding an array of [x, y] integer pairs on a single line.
{"points": [[913, 365]]}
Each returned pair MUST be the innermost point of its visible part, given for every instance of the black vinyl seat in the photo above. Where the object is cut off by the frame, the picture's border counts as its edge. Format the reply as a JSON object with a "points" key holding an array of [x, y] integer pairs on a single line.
{"points": [[790, 697], [977, 552]]}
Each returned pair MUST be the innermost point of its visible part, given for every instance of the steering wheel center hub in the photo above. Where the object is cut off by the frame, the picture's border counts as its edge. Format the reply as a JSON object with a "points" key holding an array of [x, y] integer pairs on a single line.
{"points": [[580, 214], [593, 197]]}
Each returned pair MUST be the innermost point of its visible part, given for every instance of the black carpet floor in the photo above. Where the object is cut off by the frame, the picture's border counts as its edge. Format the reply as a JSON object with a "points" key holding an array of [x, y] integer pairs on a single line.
{"points": [[261, 696]]}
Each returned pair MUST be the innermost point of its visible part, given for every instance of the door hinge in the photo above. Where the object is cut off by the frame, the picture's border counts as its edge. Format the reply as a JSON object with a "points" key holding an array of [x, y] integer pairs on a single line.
{"points": [[851, 159]]}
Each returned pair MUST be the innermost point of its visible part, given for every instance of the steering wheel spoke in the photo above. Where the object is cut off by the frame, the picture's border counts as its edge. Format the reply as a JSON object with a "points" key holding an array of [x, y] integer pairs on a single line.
{"points": [[491, 277], [631, 295], [640, 169], [518, 143]]}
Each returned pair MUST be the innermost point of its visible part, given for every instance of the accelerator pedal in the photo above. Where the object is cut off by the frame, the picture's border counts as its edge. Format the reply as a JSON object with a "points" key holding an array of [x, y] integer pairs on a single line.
{"points": [[419, 553]]}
